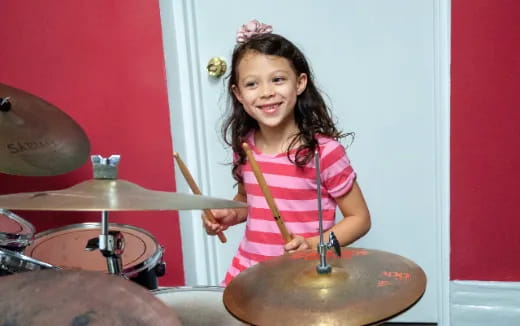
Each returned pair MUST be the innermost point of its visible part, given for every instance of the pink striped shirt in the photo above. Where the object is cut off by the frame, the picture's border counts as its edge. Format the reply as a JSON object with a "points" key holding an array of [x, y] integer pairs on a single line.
{"points": [[294, 191]]}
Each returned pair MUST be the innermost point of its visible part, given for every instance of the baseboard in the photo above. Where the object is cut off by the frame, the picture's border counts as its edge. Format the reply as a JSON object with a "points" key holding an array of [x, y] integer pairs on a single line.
{"points": [[476, 303]]}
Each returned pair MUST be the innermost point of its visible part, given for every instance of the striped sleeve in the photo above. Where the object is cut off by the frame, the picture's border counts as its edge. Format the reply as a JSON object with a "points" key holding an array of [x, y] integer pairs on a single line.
{"points": [[336, 172]]}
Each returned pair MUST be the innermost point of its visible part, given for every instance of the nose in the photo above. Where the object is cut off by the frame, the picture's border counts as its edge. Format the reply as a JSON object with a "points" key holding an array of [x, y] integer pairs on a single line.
{"points": [[267, 90]]}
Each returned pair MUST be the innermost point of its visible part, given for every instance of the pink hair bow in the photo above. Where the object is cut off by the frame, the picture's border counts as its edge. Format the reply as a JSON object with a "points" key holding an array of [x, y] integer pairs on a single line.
{"points": [[254, 27]]}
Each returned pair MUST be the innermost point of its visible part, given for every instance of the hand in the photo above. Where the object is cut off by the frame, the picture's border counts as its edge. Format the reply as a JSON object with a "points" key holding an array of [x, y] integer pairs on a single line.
{"points": [[296, 244], [224, 219]]}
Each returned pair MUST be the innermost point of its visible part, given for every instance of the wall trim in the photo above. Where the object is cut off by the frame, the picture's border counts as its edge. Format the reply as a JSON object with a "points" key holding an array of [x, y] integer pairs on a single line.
{"points": [[184, 95], [478, 303], [442, 55]]}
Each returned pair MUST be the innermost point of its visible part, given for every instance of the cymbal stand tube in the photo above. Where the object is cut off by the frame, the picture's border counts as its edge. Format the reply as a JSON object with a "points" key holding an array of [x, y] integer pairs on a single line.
{"points": [[110, 243], [323, 267], [104, 229]]}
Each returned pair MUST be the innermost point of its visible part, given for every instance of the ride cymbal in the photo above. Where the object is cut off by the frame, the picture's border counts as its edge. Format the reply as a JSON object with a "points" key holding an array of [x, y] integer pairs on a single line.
{"points": [[364, 287], [36, 138], [110, 195], [73, 297]]}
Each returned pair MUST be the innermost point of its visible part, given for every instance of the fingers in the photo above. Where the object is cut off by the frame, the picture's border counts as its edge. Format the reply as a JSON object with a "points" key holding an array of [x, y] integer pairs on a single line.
{"points": [[296, 244], [212, 228]]}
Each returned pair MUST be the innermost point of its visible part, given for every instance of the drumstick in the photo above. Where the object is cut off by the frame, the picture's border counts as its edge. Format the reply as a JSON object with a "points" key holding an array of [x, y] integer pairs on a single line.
{"points": [[195, 189], [267, 193]]}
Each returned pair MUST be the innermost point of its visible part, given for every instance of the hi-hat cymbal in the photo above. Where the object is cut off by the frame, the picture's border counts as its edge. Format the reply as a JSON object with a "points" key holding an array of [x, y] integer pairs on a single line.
{"points": [[67, 297], [364, 287], [36, 138], [111, 195]]}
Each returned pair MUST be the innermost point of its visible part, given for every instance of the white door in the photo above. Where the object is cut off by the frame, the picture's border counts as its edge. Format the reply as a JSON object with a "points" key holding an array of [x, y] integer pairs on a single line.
{"points": [[381, 65]]}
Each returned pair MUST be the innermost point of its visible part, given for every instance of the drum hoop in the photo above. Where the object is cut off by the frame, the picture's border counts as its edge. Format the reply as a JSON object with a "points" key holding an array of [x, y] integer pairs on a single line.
{"points": [[145, 265], [211, 288], [92, 225], [23, 238], [26, 259], [129, 271]]}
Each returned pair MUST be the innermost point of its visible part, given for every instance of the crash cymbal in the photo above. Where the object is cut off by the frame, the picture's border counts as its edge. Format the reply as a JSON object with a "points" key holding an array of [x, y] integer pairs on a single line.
{"points": [[36, 138], [110, 195], [67, 297], [364, 287]]}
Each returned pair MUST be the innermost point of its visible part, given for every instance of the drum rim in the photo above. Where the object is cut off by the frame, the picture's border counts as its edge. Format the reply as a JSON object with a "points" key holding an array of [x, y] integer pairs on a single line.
{"points": [[129, 271], [28, 261], [92, 225], [200, 288], [23, 238]]}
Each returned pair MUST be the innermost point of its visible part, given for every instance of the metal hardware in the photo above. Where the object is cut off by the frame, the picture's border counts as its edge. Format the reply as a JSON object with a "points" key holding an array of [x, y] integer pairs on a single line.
{"points": [[216, 67]]}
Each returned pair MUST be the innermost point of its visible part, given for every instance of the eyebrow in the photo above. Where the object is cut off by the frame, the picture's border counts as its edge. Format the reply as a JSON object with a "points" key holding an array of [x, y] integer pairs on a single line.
{"points": [[273, 73]]}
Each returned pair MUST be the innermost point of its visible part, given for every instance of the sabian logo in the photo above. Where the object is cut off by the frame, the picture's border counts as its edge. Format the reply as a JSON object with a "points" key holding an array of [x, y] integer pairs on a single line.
{"points": [[19, 147]]}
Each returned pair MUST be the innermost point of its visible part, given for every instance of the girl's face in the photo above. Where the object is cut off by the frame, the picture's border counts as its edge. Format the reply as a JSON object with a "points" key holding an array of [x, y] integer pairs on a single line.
{"points": [[267, 86]]}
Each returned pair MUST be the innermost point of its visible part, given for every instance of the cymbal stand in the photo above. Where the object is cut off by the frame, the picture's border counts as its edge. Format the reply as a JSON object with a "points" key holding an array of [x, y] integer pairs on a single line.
{"points": [[323, 267], [110, 243]]}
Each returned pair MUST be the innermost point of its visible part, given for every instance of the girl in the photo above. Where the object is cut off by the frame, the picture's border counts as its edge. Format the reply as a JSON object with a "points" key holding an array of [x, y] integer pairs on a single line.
{"points": [[278, 111]]}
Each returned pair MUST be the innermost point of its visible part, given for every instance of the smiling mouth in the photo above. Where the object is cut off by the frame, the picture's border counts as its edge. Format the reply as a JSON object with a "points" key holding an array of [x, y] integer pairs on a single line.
{"points": [[270, 107]]}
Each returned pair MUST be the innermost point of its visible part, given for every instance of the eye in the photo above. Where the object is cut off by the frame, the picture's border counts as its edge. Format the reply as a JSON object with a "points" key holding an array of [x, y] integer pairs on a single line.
{"points": [[279, 79], [250, 84]]}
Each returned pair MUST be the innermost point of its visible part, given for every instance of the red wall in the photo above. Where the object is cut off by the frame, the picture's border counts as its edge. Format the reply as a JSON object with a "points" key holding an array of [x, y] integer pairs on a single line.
{"points": [[485, 140], [101, 62]]}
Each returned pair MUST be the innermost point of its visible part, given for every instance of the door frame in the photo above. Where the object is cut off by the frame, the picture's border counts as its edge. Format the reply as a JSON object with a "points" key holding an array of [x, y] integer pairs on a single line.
{"points": [[185, 99]]}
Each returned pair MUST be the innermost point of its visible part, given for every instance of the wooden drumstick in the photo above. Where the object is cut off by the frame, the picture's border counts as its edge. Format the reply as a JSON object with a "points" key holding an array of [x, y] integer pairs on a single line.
{"points": [[195, 189], [267, 193]]}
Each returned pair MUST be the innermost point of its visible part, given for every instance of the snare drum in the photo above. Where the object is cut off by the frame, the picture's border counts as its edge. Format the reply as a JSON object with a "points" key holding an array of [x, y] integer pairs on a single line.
{"points": [[142, 258], [15, 232], [201, 305]]}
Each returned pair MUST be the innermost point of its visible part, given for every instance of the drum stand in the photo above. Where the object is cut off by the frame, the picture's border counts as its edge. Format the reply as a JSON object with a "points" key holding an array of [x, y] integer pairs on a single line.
{"points": [[324, 267], [110, 243]]}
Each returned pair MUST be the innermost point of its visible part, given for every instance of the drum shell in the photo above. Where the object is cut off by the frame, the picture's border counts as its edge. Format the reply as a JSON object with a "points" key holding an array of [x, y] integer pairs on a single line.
{"points": [[199, 305], [142, 257]]}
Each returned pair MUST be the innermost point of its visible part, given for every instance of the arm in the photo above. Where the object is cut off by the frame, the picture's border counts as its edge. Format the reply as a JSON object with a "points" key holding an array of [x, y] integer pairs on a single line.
{"points": [[228, 216], [355, 223]]}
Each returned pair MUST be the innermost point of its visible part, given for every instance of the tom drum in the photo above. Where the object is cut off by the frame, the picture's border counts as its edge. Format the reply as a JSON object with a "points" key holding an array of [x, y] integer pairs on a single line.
{"points": [[15, 235], [142, 258], [15, 232]]}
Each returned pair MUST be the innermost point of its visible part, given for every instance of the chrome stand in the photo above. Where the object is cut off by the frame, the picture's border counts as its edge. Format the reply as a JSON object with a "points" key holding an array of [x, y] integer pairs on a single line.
{"points": [[324, 267], [110, 243]]}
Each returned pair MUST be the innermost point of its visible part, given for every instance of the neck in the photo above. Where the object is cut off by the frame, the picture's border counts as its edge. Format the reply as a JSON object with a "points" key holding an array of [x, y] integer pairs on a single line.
{"points": [[275, 140]]}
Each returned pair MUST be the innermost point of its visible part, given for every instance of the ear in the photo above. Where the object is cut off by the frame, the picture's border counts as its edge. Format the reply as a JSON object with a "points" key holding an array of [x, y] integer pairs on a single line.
{"points": [[237, 93], [301, 83]]}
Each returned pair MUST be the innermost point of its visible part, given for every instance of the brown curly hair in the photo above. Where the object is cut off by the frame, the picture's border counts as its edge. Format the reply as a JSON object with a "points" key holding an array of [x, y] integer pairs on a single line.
{"points": [[311, 114]]}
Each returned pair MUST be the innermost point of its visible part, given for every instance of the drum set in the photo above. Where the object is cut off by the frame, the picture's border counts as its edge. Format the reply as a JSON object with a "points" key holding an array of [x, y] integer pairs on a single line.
{"points": [[103, 273]]}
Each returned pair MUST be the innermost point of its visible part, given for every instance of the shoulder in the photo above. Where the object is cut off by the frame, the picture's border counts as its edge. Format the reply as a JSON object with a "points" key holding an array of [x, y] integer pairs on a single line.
{"points": [[330, 146]]}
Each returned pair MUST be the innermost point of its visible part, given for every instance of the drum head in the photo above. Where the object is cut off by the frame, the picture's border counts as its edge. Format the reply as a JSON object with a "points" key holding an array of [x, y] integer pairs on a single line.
{"points": [[201, 305], [65, 247], [14, 230]]}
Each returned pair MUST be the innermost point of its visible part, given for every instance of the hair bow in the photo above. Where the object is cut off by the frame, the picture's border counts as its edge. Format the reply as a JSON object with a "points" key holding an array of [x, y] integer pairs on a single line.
{"points": [[254, 27]]}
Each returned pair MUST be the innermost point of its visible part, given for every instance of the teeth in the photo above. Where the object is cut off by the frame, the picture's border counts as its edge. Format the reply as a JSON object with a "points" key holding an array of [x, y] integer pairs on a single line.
{"points": [[269, 107]]}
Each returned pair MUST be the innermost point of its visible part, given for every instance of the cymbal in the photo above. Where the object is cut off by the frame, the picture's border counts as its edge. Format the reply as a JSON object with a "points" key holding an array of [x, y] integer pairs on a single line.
{"points": [[111, 195], [68, 297], [364, 287], [36, 138]]}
